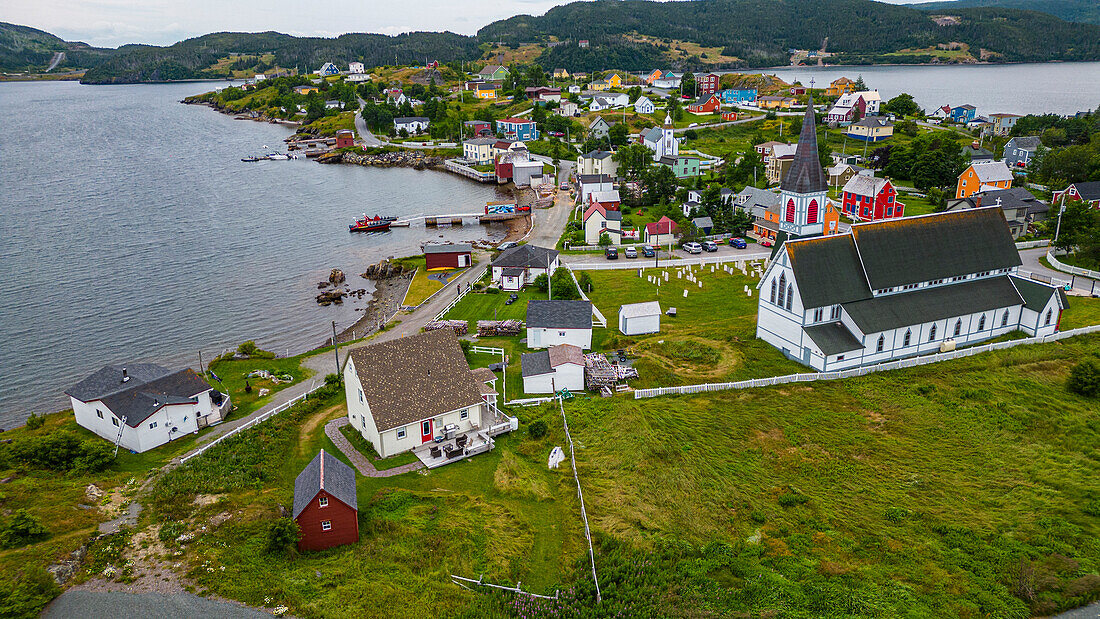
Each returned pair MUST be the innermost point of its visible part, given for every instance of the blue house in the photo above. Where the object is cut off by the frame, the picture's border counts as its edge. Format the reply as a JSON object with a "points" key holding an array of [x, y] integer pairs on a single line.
{"points": [[328, 69], [963, 113], [732, 96], [518, 129]]}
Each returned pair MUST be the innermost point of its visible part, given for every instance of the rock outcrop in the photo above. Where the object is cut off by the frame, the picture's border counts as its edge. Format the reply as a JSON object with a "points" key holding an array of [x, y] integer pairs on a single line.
{"points": [[383, 270]]}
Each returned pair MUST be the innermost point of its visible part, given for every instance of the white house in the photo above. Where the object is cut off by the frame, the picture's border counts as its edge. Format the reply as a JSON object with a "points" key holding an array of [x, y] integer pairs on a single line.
{"points": [[898, 288], [518, 266], [590, 183], [556, 368], [411, 124], [142, 405], [643, 105], [661, 140], [356, 68], [598, 220], [418, 393], [640, 318], [550, 323], [574, 89], [600, 103], [479, 150], [567, 108], [598, 162]]}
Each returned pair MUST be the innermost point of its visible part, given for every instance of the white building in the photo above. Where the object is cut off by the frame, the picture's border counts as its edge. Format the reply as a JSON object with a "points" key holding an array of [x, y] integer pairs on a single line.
{"points": [[518, 266], [899, 288], [411, 124], [592, 183], [640, 318], [661, 140], [418, 393], [356, 68], [598, 162], [551, 323], [643, 105], [143, 406], [479, 150], [556, 368], [599, 220]]}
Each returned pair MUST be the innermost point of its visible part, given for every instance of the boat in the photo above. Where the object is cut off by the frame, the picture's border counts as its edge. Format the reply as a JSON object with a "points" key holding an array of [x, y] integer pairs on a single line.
{"points": [[375, 224], [250, 159], [278, 157]]}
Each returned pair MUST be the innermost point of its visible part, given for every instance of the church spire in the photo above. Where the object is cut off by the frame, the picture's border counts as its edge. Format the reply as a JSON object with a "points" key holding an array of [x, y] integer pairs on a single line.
{"points": [[805, 174]]}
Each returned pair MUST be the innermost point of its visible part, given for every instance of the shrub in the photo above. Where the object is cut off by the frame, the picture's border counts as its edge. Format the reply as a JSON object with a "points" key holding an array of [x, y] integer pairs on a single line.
{"points": [[24, 594], [34, 421], [170, 531], [537, 429], [1084, 378], [250, 350], [585, 280], [332, 379], [282, 535], [791, 499], [60, 451], [96, 455], [492, 290], [542, 282], [22, 529]]}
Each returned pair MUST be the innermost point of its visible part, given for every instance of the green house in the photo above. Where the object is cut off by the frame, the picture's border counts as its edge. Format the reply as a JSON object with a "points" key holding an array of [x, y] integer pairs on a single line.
{"points": [[682, 166], [493, 73]]}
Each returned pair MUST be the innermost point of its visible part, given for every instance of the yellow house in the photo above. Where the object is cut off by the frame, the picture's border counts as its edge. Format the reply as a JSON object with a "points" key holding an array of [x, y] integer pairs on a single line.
{"points": [[305, 90], [992, 174], [871, 129], [485, 91], [774, 103], [611, 81], [561, 74], [839, 87]]}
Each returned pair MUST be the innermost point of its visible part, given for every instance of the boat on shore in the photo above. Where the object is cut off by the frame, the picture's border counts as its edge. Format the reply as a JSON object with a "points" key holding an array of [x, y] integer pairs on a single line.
{"points": [[372, 224]]}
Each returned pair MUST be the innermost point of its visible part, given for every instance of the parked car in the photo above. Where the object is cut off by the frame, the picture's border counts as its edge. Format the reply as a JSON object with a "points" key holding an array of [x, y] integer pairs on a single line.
{"points": [[738, 242], [611, 253], [765, 243], [565, 186], [557, 134], [693, 125], [710, 246], [693, 248], [508, 245], [648, 251], [630, 252]]}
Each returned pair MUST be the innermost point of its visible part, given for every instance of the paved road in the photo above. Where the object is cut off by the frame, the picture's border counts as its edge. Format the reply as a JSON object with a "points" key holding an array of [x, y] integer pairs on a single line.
{"points": [[1092, 611], [1030, 259], [371, 140], [103, 605]]}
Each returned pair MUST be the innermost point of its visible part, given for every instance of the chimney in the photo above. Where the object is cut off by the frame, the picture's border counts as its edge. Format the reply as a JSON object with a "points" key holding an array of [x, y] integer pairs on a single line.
{"points": [[978, 204], [125, 376]]}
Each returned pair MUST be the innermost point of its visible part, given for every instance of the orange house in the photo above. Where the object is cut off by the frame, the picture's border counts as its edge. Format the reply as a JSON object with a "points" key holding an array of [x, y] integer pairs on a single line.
{"points": [[830, 219], [980, 174]]}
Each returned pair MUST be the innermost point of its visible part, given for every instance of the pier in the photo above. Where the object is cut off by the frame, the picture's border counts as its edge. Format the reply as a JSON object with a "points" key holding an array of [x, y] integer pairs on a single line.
{"points": [[456, 219], [452, 165]]}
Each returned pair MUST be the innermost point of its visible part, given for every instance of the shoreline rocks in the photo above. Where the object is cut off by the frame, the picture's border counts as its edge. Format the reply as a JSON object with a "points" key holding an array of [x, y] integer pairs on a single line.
{"points": [[396, 159]]}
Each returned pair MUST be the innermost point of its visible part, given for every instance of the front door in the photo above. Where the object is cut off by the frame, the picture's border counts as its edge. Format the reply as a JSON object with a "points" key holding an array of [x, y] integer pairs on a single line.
{"points": [[426, 431]]}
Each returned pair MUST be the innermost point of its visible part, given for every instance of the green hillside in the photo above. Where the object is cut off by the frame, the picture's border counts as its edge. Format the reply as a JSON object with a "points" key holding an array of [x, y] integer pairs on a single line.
{"points": [[28, 49], [1084, 11]]}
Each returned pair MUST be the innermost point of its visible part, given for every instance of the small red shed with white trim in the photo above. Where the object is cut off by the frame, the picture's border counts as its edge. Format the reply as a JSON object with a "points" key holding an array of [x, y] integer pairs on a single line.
{"points": [[447, 256], [325, 505]]}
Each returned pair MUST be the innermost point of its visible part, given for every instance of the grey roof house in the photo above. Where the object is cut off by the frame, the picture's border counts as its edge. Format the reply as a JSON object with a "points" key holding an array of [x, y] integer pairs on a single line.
{"points": [[1019, 150]]}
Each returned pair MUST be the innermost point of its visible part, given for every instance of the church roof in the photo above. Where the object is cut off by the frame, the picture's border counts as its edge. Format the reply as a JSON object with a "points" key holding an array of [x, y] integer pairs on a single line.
{"points": [[805, 174]]}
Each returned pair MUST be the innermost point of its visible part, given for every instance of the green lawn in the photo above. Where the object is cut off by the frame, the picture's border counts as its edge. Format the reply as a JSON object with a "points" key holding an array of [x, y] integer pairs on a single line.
{"points": [[233, 374], [422, 286], [477, 306], [1082, 312], [364, 447]]}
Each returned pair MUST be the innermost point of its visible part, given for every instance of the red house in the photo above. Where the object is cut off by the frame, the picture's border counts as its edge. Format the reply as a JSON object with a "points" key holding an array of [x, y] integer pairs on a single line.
{"points": [[867, 198], [447, 256], [345, 139], [707, 84], [325, 505], [705, 104]]}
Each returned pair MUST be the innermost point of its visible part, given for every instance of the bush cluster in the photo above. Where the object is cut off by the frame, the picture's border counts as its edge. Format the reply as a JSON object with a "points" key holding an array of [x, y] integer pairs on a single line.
{"points": [[1084, 378], [60, 451]]}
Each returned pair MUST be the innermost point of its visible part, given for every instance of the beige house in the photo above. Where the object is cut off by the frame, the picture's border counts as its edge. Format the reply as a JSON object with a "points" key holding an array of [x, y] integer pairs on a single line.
{"points": [[599, 219], [418, 394], [598, 162]]}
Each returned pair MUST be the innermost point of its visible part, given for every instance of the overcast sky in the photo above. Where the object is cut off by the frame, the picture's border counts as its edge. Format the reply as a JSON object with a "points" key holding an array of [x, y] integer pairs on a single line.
{"points": [[110, 23]]}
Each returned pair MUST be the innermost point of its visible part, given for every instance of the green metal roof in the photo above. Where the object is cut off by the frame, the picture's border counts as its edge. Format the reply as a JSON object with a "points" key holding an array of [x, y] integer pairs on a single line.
{"points": [[827, 269], [833, 338], [935, 303]]}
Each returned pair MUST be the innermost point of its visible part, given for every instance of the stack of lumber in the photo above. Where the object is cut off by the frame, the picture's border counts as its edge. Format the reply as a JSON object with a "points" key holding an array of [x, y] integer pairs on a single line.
{"points": [[599, 373], [460, 327], [488, 328]]}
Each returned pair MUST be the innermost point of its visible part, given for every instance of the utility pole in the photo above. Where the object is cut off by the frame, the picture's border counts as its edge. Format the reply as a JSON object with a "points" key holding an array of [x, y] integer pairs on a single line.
{"points": [[202, 372], [1061, 209], [335, 348]]}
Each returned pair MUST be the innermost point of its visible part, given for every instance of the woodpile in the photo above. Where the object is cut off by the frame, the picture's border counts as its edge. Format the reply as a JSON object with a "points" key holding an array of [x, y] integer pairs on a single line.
{"points": [[489, 328], [601, 374], [460, 327]]}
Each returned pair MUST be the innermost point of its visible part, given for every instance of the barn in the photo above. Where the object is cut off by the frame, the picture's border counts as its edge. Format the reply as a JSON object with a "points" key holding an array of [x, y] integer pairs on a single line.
{"points": [[447, 256], [325, 505], [640, 318]]}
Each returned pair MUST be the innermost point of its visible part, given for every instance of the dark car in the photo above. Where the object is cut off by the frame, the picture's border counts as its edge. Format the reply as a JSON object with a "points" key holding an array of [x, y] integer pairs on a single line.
{"points": [[648, 251], [710, 246], [611, 253], [738, 242]]}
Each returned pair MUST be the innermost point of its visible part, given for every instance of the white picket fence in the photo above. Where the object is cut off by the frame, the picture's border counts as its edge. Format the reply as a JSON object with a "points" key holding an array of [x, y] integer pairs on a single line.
{"points": [[459, 296], [598, 316], [860, 371], [1032, 244], [1065, 268], [253, 423], [666, 263]]}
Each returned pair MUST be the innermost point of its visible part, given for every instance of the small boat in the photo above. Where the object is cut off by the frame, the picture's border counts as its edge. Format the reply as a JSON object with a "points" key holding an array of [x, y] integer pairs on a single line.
{"points": [[375, 224], [278, 157], [250, 159]]}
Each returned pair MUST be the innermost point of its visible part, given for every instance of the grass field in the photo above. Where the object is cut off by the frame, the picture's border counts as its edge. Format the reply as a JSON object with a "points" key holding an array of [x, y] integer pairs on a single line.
{"points": [[233, 374], [422, 286], [477, 306]]}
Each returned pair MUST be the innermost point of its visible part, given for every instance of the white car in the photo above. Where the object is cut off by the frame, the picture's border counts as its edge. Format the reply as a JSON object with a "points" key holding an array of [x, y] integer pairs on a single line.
{"points": [[693, 248], [693, 125]]}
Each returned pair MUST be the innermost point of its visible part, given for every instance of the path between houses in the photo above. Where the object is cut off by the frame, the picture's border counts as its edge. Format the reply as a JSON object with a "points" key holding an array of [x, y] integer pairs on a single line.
{"points": [[332, 430]]}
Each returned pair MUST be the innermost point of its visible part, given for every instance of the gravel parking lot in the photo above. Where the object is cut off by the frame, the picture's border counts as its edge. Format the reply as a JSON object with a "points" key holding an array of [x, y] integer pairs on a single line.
{"points": [[111, 605]]}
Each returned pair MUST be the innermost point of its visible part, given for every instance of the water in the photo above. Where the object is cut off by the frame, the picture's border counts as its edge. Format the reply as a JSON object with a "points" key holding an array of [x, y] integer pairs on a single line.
{"points": [[1060, 88], [132, 231]]}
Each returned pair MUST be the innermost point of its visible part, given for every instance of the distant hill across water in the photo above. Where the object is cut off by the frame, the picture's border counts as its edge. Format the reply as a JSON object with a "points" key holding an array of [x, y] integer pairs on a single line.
{"points": [[1083, 11]]}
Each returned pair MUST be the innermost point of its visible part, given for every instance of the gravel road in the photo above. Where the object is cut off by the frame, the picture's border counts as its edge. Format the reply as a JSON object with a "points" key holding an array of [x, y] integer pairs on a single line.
{"points": [[89, 605]]}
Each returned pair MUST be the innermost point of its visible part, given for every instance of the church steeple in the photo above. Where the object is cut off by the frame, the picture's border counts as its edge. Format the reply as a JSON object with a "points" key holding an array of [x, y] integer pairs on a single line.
{"points": [[805, 174]]}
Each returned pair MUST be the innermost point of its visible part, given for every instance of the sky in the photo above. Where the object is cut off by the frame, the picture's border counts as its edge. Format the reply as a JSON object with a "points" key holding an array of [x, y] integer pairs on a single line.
{"points": [[110, 23]]}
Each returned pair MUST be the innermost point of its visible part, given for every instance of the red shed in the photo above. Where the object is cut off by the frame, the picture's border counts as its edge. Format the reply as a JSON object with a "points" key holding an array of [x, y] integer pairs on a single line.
{"points": [[447, 256], [345, 139], [705, 104], [325, 505]]}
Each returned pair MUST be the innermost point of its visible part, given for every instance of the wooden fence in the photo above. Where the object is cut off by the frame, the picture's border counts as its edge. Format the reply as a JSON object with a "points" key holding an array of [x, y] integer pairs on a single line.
{"points": [[667, 263], [862, 370]]}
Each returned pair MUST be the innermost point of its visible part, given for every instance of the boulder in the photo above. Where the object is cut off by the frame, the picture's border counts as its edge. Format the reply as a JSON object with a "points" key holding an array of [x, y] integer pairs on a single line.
{"points": [[336, 277]]}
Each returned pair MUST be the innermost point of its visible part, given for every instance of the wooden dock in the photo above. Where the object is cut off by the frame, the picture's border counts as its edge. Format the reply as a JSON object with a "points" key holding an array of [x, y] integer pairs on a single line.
{"points": [[456, 219]]}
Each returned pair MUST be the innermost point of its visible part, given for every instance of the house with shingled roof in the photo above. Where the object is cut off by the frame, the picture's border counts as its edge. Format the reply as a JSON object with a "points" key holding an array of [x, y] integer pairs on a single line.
{"points": [[325, 506], [140, 406], [518, 266], [418, 394], [1019, 150], [1085, 192], [899, 288], [554, 322], [553, 369], [599, 220], [983, 176], [661, 232]]}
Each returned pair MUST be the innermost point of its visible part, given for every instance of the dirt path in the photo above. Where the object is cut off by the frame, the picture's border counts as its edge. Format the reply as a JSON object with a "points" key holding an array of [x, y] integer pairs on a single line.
{"points": [[332, 430], [311, 424]]}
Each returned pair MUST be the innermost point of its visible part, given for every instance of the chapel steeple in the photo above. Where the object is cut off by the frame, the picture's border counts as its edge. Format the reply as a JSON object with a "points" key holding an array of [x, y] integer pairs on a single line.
{"points": [[803, 193]]}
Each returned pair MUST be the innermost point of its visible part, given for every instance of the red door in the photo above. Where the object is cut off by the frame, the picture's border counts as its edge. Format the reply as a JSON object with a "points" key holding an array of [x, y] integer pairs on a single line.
{"points": [[426, 431]]}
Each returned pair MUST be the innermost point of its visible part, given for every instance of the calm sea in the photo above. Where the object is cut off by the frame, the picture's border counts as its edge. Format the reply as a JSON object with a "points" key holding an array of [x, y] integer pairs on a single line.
{"points": [[132, 231]]}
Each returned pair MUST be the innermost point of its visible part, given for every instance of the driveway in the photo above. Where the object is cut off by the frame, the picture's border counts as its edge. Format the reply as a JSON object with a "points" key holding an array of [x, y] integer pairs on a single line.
{"points": [[112, 605]]}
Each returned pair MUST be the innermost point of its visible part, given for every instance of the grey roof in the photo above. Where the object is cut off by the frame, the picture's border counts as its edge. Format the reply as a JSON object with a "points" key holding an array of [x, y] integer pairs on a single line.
{"points": [[755, 196], [828, 270], [559, 314], [613, 215], [938, 246], [805, 174], [597, 154], [702, 100], [863, 185], [590, 179], [1037, 294], [934, 303], [833, 338], [481, 141], [653, 134], [873, 121], [447, 248], [1027, 142], [1088, 191], [408, 119], [976, 154], [149, 388], [324, 472], [535, 363], [703, 222], [1011, 198], [526, 256]]}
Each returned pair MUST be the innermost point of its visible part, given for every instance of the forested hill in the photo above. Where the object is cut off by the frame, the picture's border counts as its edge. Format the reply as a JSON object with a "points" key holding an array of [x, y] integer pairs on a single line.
{"points": [[1085, 11], [760, 32], [28, 49], [201, 57]]}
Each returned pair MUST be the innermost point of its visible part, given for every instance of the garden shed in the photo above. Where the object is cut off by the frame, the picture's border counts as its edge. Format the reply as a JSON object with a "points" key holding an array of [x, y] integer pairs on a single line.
{"points": [[640, 318]]}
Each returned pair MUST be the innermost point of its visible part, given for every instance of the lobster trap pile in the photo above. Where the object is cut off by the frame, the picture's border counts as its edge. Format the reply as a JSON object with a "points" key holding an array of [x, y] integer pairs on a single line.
{"points": [[489, 328], [599, 373], [460, 327]]}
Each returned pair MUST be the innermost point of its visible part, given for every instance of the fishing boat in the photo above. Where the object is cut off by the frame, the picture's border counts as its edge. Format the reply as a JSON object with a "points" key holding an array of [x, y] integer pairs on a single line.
{"points": [[250, 159], [278, 157], [372, 224]]}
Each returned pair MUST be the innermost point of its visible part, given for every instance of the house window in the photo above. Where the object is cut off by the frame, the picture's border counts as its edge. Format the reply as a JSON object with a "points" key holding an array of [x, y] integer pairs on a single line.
{"points": [[834, 314], [322, 502], [818, 313], [114, 420], [360, 396], [561, 333], [881, 343], [465, 414], [99, 413], [1004, 319], [958, 327], [772, 300], [782, 288], [425, 428], [908, 336], [401, 433], [152, 425], [981, 323], [1047, 321], [932, 333], [790, 295], [840, 357], [326, 525], [889, 211]]}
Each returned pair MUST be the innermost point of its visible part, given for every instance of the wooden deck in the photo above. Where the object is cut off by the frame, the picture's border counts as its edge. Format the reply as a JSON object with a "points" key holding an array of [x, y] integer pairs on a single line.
{"points": [[476, 443]]}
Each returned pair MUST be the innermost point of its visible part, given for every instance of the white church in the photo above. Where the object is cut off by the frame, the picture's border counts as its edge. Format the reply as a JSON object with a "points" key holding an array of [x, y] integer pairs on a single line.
{"points": [[661, 140]]}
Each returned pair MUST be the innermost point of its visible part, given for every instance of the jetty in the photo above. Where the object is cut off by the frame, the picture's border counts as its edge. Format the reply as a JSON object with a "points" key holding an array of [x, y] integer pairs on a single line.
{"points": [[452, 165]]}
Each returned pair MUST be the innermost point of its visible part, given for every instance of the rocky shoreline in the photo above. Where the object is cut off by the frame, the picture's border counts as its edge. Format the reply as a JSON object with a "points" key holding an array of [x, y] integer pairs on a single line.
{"points": [[394, 159], [391, 283], [242, 115]]}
